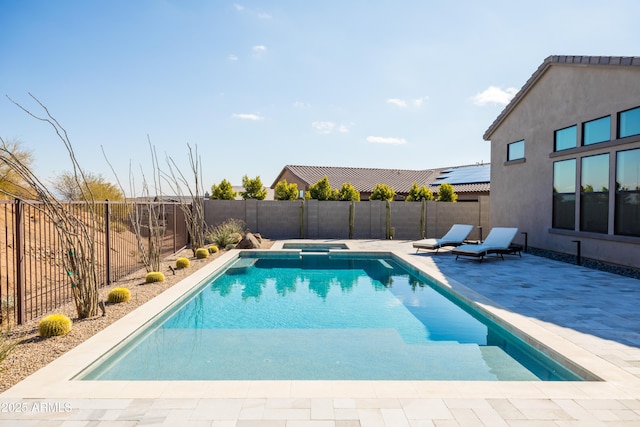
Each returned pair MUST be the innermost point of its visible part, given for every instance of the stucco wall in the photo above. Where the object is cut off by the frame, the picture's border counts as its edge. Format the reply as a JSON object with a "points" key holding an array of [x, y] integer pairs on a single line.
{"points": [[521, 193]]}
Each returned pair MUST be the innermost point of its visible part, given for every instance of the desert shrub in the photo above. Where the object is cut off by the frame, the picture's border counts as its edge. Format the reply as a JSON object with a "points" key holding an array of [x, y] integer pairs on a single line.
{"points": [[382, 192], [183, 263], [416, 193], [154, 276], [222, 235], [117, 295], [348, 192], [6, 346], [286, 191], [213, 249], [53, 325], [446, 193], [202, 253]]}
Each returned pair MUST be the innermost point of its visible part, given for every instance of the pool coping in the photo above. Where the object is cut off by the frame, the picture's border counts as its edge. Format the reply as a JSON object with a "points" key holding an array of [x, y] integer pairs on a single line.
{"points": [[55, 381]]}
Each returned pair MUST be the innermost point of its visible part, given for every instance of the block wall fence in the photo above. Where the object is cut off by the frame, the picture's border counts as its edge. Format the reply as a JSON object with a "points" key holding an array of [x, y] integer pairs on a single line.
{"points": [[313, 219]]}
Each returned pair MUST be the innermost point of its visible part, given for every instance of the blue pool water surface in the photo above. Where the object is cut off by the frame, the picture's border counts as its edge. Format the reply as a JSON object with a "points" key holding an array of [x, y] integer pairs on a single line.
{"points": [[320, 317]]}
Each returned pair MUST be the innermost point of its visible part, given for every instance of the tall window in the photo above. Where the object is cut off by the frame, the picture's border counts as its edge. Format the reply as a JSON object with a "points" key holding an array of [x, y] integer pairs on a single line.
{"points": [[596, 131], [594, 193], [515, 150], [627, 219], [565, 138], [629, 123], [564, 194]]}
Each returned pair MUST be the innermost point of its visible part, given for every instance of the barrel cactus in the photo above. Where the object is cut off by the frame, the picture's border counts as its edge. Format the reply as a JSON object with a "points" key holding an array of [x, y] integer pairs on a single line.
{"points": [[212, 249], [117, 295], [53, 325], [202, 253], [154, 276], [183, 263]]}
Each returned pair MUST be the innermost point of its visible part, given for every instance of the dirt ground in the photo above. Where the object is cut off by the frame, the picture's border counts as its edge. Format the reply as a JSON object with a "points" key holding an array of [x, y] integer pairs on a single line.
{"points": [[33, 352]]}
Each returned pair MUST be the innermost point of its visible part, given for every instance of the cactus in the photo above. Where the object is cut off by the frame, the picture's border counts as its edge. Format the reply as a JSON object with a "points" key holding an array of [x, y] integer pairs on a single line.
{"points": [[117, 295], [213, 249], [54, 324], [183, 263], [154, 276], [202, 253]]}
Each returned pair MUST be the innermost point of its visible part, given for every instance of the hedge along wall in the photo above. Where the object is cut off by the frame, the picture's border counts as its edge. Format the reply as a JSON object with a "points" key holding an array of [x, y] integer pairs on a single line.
{"points": [[313, 219]]}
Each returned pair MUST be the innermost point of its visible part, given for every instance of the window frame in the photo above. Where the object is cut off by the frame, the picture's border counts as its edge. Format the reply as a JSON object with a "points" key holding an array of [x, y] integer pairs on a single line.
{"points": [[555, 138], [584, 131], [618, 130], [513, 144]]}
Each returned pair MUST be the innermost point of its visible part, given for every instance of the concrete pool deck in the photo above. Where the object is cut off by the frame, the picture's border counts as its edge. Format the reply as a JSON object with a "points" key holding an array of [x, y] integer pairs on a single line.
{"points": [[589, 315]]}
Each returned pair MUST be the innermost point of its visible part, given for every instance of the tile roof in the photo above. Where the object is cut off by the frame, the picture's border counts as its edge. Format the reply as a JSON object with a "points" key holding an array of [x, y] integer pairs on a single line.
{"points": [[364, 179], [564, 60]]}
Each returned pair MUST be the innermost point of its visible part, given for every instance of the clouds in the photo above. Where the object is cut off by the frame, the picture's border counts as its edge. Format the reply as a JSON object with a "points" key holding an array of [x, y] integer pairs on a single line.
{"points": [[260, 14], [386, 140], [244, 116], [406, 104], [327, 127], [494, 95]]}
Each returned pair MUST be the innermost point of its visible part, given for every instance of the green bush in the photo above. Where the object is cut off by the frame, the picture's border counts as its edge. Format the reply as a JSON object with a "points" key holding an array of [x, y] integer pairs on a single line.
{"points": [[53, 325], [224, 191], [322, 190], [154, 276], [348, 192], [117, 295], [253, 188], [285, 191], [183, 263], [446, 193], [202, 253], [382, 192], [416, 193]]}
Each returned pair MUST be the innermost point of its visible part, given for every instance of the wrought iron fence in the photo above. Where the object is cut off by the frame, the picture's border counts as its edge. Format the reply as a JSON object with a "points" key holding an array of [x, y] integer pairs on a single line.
{"points": [[33, 279]]}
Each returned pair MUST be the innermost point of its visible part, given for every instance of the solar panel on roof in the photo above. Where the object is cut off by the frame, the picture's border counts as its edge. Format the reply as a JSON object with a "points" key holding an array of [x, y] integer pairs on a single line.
{"points": [[466, 175]]}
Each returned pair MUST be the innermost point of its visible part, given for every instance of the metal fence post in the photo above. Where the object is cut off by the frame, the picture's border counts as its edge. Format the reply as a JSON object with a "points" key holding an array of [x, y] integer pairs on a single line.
{"points": [[107, 240], [19, 260]]}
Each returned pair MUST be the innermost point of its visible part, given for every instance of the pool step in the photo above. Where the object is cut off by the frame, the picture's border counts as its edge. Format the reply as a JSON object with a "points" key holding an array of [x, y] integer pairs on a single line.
{"points": [[241, 265]]}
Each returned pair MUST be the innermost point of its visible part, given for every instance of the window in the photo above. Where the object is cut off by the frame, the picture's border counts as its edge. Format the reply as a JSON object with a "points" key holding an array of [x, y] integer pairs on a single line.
{"points": [[629, 123], [565, 138], [594, 193], [564, 194], [627, 217], [596, 131], [515, 150]]}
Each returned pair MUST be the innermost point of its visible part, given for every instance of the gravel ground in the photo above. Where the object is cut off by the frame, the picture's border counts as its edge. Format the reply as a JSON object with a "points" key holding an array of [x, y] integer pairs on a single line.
{"points": [[33, 352]]}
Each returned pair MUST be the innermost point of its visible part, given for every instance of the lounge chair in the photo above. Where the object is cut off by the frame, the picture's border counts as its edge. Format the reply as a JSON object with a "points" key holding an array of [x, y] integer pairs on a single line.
{"points": [[454, 237], [499, 241]]}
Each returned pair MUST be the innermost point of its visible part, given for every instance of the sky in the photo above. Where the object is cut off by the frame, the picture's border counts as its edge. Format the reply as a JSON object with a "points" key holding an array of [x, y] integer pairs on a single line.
{"points": [[255, 85]]}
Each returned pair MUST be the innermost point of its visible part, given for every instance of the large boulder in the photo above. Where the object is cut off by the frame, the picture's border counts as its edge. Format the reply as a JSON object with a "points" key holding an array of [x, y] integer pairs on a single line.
{"points": [[248, 242]]}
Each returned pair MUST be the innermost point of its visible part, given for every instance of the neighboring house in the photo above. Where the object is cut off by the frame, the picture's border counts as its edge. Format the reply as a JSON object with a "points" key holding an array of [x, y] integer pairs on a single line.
{"points": [[469, 182], [566, 158]]}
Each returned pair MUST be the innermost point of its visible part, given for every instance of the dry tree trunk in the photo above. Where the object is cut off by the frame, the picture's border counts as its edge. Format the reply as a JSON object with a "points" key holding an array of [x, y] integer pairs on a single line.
{"points": [[194, 209], [77, 235], [151, 254]]}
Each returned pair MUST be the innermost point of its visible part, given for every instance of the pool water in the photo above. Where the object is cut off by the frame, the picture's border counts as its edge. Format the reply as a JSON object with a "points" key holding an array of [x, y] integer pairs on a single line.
{"points": [[315, 316]]}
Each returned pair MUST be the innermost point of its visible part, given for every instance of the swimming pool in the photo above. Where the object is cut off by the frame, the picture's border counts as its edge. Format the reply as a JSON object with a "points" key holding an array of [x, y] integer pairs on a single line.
{"points": [[291, 315]]}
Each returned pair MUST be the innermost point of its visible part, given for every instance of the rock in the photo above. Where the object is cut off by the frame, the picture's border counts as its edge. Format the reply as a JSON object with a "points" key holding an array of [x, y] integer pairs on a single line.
{"points": [[258, 236], [248, 242]]}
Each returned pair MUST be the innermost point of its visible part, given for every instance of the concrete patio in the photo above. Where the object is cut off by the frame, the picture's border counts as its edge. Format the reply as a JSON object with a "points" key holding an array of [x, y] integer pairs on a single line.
{"points": [[591, 315]]}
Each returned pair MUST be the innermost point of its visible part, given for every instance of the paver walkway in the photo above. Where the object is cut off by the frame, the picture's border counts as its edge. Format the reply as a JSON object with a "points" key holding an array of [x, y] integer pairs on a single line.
{"points": [[594, 310]]}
